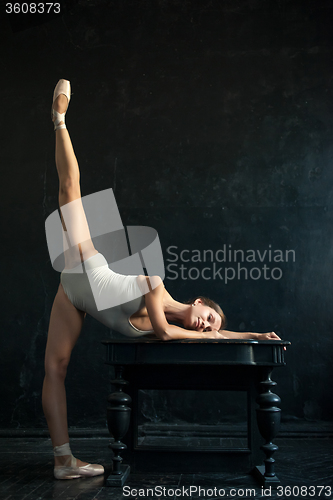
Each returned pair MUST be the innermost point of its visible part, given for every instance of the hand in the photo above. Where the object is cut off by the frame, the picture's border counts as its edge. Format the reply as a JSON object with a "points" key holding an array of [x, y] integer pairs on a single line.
{"points": [[268, 336]]}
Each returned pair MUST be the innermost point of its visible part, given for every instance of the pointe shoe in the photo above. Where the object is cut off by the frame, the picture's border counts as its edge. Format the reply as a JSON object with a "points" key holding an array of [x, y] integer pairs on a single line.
{"points": [[62, 87], [74, 472]]}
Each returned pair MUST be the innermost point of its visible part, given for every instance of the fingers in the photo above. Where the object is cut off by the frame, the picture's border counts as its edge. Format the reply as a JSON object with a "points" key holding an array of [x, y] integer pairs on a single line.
{"points": [[272, 336]]}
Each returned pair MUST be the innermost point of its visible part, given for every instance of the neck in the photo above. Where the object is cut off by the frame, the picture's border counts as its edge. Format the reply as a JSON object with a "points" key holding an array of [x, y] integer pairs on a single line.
{"points": [[175, 311]]}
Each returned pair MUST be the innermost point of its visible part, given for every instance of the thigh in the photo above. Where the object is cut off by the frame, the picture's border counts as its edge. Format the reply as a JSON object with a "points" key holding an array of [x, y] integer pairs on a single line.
{"points": [[64, 329], [76, 230]]}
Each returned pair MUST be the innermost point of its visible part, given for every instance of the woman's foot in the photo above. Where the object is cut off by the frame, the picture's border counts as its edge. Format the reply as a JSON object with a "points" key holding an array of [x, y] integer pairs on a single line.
{"points": [[61, 98], [65, 460], [71, 468]]}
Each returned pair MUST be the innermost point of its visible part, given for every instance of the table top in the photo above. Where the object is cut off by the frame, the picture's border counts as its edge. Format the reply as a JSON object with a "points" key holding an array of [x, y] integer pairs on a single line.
{"points": [[141, 350]]}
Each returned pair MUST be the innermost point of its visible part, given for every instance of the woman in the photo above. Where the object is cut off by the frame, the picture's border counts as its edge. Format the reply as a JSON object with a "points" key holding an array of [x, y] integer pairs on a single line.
{"points": [[148, 310]]}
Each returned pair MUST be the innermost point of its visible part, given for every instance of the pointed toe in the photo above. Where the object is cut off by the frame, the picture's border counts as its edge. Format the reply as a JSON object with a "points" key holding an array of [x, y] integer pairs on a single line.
{"points": [[90, 470], [62, 87]]}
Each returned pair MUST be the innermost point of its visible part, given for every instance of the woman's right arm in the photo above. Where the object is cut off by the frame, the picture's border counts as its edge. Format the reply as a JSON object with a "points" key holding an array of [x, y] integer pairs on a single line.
{"points": [[250, 335], [162, 329]]}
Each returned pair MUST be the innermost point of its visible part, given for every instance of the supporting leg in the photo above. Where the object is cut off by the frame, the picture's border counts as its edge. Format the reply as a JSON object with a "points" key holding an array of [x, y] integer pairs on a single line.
{"points": [[64, 330], [118, 418], [268, 418]]}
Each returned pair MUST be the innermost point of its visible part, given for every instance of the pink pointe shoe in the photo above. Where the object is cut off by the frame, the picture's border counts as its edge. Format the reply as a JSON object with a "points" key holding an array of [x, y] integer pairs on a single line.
{"points": [[73, 472], [62, 87]]}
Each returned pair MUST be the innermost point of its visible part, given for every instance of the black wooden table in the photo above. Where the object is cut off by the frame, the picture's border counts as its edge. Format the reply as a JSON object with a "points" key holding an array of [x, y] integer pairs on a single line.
{"points": [[241, 365]]}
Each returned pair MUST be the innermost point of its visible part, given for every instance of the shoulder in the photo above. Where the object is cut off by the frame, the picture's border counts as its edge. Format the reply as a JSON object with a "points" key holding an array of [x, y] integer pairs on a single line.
{"points": [[150, 284]]}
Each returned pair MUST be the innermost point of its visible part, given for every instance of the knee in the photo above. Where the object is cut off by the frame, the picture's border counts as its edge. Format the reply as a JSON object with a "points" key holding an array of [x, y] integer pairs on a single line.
{"points": [[70, 185], [56, 368]]}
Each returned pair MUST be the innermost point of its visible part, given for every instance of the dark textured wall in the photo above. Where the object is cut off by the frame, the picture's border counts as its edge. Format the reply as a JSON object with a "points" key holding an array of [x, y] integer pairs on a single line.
{"points": [[212, 121]]}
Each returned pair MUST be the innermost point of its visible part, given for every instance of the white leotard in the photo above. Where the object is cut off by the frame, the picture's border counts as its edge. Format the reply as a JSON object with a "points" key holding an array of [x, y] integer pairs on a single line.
{"points": [[94, 274]]}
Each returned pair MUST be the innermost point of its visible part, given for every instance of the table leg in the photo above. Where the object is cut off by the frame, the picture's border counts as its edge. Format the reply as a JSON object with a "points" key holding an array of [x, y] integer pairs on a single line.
{"points": [[268, 419], [118, 418]]}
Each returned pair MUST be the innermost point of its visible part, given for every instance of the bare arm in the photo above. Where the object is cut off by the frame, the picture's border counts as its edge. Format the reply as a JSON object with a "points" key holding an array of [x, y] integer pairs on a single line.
{"points": [[248, 335], [165, 331], [162, 329]]}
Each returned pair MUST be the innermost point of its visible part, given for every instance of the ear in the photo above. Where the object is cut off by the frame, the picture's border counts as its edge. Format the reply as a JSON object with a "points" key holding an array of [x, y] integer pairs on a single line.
{"points": [[197, 301]]}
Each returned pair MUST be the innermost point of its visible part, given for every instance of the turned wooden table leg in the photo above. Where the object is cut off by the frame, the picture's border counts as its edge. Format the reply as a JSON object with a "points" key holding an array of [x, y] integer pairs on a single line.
{"points": [[118, 418], [268, 418]]}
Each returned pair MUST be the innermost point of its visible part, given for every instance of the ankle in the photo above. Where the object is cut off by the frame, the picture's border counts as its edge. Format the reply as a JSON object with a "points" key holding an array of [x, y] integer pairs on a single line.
{"points": [[60, 104], [59, 108], [63, 460], [63, 455]]}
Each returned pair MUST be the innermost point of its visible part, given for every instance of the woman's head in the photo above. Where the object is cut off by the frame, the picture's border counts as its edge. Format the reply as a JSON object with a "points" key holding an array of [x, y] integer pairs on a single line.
{"points": [[204, 314]]}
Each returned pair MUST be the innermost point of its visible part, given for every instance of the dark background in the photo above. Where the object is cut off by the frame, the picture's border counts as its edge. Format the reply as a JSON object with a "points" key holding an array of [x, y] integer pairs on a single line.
{"points": [[212, 121]]}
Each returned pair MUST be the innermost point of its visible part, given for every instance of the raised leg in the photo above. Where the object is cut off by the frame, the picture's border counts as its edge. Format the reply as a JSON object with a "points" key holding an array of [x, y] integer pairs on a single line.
{"points": [[70, 203]]}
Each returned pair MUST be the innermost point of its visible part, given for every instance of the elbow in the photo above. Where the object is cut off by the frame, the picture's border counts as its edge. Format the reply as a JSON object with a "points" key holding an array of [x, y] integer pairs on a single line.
{"points": [[164, 336]]}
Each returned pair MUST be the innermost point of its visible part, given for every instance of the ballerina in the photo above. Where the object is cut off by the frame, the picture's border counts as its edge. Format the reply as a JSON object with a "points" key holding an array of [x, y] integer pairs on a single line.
{"points": [[148, 309]]}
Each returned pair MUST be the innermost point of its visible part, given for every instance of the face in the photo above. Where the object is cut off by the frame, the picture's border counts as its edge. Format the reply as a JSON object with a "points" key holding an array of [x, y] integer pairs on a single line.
{"points": [[202, 318]]}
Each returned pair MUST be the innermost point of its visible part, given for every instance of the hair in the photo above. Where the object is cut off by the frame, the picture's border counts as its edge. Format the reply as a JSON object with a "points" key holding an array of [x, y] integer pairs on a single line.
{"points": [[210, 303]]}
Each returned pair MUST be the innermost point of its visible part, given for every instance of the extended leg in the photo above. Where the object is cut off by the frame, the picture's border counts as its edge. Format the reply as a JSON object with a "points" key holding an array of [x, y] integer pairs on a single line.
{"points": [[66, 162], [73, 215]]}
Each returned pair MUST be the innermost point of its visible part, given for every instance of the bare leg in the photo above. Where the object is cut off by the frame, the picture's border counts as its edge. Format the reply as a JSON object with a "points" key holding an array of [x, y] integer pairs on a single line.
{"points": [[64, 330], [74, 219], [66, 162]]}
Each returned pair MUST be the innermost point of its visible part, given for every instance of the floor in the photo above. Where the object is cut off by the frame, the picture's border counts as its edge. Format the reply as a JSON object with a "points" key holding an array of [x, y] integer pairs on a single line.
{"points": [[26, 472]]}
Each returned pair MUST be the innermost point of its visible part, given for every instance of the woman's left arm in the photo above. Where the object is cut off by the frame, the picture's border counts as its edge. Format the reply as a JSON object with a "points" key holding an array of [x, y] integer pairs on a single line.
{"points": [[249, 335]]}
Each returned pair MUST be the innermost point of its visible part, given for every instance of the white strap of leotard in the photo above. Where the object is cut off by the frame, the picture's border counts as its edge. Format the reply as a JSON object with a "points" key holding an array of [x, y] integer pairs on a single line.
{"points": [[62, 450]]}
